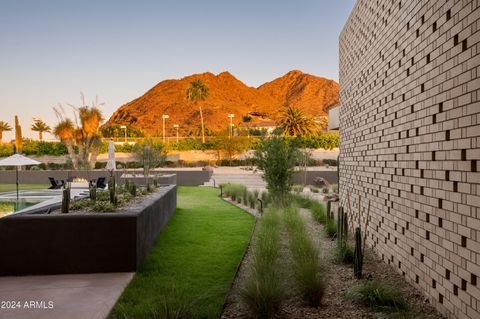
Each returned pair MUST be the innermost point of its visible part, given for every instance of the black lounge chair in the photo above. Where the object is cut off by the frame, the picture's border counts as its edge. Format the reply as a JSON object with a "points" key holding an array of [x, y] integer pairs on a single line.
{"points": [[56, 184], [99, 183]]}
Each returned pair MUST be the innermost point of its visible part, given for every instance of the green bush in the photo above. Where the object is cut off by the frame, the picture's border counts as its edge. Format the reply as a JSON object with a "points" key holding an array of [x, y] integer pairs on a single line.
{"points": [[263, 291], [302, 201], [314, 189], [308, 271], [330, 228], [343, 252], [276, 158], [330, 162], [234, 191], [382, 296], [319, 212]]}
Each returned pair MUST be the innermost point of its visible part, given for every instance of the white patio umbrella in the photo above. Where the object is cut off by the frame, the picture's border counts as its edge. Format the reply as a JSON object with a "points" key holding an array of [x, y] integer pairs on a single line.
{"points": [[18, 160], [111, 165]]}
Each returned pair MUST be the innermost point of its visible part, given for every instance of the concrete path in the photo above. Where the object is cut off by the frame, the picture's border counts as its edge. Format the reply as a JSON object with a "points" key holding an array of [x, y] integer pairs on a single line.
{"points": [[237, 175], [84, 296]]}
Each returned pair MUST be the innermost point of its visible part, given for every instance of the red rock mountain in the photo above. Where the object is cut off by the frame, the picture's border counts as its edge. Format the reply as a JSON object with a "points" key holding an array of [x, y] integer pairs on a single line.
{"points": [[314, 95]]}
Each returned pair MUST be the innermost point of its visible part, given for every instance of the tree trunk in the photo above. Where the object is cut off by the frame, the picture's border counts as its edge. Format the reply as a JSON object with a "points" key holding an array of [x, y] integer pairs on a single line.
{"points": [[72, 154], [93, 155], [203, 126], [1, 136], [40, 135]]}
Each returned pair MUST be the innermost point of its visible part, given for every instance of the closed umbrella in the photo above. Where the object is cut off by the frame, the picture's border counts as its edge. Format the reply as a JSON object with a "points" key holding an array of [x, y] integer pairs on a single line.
{"points": [[18, 160], [111, 165]]}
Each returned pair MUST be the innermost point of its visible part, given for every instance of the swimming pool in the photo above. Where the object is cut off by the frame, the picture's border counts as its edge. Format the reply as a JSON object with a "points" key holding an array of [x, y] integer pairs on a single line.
{"points": [[34, 200], [26, 200]]}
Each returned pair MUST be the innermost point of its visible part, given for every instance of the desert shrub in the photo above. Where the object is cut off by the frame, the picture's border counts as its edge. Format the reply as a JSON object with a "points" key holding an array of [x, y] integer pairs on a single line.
{"points": [[245, 196], [330, 162], [234, 191], [314, 189], [6, 150], [319, 211], [276, 158], [302, 201], [343, 252], [265, 199], [100, 165], [382, 296], [297, 188], [320, 182], [252, 199], [308, 271], [335, 188], [330, 228], [262, 291]]}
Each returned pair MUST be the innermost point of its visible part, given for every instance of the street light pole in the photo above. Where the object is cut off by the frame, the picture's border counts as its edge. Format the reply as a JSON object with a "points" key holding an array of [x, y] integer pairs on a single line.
{"points": [[164, 117], [125, 129], [176, 126], [230, 130]]}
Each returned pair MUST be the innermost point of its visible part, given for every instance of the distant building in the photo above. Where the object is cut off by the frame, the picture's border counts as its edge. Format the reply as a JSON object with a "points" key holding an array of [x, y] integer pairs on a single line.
{"points": [[334, 118], [267, 126]]}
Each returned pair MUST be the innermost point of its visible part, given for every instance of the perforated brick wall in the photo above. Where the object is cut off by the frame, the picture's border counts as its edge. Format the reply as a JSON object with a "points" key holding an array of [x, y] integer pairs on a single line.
{"points": [[410, 142]]}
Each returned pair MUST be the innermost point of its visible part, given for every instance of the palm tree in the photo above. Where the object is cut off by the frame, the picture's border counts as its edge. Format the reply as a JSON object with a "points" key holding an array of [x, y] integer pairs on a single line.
{"points": [[65, 131], [4, 127], [40, 127], [195, 93], [295, 123]]}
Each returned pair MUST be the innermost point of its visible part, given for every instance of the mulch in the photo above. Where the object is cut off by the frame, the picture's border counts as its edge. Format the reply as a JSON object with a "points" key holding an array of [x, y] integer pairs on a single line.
{"points": [[340, 280]]}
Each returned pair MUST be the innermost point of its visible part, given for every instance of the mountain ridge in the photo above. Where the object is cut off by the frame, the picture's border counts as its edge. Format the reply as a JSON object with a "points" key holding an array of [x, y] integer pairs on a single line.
{"points": [[227, 94]]}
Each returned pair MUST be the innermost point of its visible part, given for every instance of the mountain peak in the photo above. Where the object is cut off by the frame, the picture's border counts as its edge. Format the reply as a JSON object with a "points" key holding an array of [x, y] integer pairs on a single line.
{"points": [[295, 72]]}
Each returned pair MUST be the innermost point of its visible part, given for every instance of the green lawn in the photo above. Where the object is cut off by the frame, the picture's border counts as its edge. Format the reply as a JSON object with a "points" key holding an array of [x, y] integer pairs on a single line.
{"points": [[189, 270], [12, 187]]}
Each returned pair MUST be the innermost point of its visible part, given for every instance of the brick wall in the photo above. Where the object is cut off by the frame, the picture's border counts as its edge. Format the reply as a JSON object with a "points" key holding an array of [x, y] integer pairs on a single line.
{"points": [[410, 141]]}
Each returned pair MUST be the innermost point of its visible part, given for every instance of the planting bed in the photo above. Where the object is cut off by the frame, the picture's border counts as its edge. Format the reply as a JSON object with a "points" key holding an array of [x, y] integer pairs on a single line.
{"points": [[85, 242]]}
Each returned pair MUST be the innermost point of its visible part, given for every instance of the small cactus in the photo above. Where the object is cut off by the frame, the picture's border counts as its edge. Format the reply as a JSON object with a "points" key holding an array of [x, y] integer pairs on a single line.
{"points": [[111, 188], [358, 255], [93, 193], [133, 189], [342, 224], [65, 200]]}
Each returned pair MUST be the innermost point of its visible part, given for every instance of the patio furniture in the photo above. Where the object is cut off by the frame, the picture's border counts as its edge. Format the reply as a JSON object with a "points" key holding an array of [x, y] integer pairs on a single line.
{"points": [[56, 184], [99, 182]]}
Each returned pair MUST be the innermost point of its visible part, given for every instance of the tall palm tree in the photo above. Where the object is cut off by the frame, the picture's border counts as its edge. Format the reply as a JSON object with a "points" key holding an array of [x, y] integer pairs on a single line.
{"points": [[40, 127], [65, 131], [4, 127], [197, 92], [295, 123]]}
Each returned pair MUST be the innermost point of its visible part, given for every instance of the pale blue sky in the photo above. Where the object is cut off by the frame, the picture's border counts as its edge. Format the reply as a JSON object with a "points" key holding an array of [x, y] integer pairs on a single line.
{"points": [[50, 51]]}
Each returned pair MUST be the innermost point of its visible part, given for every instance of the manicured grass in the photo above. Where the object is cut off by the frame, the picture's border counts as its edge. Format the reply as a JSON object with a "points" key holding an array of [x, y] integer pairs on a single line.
{"points": [[188, 272], [12, 187]]}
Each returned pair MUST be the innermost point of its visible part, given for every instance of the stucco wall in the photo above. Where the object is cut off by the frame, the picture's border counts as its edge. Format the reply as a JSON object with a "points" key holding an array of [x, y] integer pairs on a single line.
{"points": [[410, 141]]}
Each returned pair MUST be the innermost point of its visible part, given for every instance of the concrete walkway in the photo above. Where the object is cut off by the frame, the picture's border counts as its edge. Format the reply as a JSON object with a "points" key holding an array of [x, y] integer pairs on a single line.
{"points": [[84, 296]]}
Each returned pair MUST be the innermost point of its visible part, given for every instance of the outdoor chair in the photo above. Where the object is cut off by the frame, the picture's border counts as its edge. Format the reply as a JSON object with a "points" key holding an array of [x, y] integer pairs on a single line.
{"points": [[101, 182], [55, 183]]}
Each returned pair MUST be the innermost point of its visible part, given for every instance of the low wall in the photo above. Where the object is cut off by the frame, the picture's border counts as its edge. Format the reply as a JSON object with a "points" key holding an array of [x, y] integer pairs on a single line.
{"points": [[84, 242], [184, 177]]}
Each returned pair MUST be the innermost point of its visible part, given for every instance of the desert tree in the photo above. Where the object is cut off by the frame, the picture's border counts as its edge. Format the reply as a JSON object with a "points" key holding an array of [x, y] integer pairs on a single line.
{"points": [[82, 132], [40, 127], [4, 127], [196, 92], [294, 122], [276, 157]]}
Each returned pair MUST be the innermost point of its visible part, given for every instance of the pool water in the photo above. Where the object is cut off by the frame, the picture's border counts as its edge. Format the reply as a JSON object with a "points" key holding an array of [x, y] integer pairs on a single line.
{"points": [[8, 207]]}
